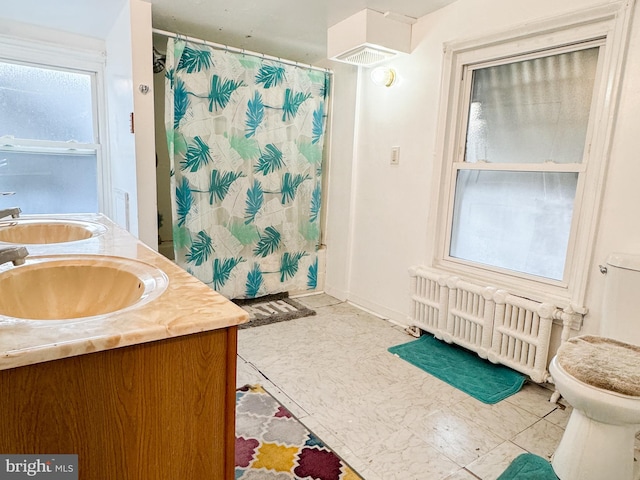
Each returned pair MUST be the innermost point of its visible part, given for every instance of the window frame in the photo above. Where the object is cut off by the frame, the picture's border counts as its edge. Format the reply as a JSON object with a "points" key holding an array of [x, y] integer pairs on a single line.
{"points": [[65, 58], [606, 27], [459, 162]]}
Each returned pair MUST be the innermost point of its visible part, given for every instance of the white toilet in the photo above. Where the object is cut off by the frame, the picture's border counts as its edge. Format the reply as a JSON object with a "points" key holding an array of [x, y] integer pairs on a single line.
{"points": [[600, 378]]}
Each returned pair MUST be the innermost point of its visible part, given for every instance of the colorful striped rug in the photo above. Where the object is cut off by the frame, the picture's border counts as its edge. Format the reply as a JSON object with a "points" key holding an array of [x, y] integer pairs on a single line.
{"points": [[271, 444]]}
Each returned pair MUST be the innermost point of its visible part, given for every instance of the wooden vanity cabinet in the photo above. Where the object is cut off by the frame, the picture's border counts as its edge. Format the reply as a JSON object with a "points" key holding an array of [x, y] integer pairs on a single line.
{"points": [[152, 411]]}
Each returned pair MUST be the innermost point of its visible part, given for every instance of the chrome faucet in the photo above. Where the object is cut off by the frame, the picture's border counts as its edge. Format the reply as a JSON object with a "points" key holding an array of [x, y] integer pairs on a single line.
{"points": [[17, 255], [13, 211]]}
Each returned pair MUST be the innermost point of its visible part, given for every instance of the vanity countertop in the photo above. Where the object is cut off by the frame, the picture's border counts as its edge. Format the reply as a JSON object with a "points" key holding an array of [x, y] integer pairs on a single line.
{"points": [[187, 306]]}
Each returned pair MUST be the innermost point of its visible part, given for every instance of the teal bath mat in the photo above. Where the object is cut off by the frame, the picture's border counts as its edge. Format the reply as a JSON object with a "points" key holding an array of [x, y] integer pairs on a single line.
{"points": [[461, 368], [529, 467]]}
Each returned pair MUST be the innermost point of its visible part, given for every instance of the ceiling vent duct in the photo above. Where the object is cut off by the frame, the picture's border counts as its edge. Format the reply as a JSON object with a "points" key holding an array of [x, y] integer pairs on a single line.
{"points": [[369, 37], [365, 55]]}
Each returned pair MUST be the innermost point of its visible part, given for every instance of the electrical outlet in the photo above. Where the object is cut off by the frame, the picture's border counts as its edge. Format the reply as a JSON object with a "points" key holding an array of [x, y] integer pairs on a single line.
{"points": [[395, 156]]}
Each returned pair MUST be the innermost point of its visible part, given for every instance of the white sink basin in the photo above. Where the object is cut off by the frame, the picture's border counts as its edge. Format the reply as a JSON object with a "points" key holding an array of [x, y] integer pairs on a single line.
{"points": [[28, 231], [64, 287]]}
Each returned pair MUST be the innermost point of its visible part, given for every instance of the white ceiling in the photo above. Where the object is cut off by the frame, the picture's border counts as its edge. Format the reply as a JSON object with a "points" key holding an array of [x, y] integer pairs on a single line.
{"points": [[293, 29], [92, 18]]}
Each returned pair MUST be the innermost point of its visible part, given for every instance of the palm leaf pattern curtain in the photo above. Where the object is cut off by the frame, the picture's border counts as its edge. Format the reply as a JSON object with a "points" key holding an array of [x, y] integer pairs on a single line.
{"points": [[245, 139]]}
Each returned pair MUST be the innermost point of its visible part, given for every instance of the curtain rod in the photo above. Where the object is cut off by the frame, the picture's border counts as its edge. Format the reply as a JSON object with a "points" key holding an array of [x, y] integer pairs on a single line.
{"points": [[238, 50]]}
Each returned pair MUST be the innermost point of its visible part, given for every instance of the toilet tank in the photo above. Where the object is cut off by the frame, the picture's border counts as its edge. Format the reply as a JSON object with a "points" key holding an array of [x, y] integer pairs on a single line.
{"points": [[621, 301]]}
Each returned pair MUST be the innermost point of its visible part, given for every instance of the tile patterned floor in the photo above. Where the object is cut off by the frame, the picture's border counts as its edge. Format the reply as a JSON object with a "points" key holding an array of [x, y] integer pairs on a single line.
{"points": [[388, 419]]}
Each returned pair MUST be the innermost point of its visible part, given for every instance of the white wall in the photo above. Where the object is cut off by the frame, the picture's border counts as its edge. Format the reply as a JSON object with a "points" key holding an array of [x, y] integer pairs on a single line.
{"points": [[341, 172], [388, 222], [119, 85], [129, 65], [619, 228], [48, 36], [88, 18], [143, 104]]}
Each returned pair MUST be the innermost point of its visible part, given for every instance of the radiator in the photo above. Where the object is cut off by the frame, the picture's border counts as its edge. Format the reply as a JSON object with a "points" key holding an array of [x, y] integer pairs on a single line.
{"points": [[498, 326]]}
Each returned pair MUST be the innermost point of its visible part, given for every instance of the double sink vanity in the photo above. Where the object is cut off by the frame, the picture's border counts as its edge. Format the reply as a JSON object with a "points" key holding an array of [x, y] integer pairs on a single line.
{"points": [[110, 351]]}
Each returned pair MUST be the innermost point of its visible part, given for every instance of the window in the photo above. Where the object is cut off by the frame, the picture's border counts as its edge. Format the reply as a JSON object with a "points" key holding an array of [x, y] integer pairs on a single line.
{"points": [[525, 140], [49, 137], [523, 148]]}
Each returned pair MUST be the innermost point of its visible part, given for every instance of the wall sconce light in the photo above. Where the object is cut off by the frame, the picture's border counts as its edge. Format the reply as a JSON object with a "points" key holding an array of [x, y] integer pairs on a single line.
{"points": [[384, 76]]}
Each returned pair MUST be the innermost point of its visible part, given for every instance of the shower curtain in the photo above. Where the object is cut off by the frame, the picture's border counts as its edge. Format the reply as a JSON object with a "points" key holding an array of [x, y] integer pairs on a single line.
{"points": [[245, 137]]}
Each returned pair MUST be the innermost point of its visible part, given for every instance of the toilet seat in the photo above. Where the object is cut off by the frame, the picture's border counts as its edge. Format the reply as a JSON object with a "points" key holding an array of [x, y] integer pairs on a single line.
{"points": [[597, 403], [595, 375], [603, 363]]}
